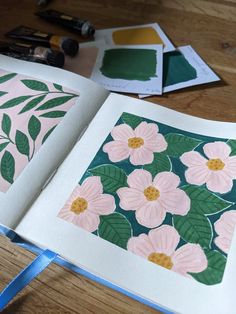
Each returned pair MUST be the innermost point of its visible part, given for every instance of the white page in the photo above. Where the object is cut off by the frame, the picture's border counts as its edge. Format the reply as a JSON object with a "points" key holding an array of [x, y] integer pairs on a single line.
{"points": [[131, 272], [19, 196]]}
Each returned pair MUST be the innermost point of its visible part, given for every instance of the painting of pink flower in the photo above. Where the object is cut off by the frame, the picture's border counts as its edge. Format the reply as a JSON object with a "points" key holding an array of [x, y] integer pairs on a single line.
{"points": [[224, 227], [138, 145], [86, 203], [217, 171], [152, 199], [159, 247]]}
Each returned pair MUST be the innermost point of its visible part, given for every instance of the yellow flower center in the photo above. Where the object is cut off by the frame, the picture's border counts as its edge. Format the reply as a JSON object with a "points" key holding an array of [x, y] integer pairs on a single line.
{"points": [[79, 205], [135, 142], [151, 193], [161, 259], [215, 164]]}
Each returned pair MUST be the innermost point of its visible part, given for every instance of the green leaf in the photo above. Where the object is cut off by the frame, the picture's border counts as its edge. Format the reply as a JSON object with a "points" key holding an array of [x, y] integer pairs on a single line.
{"points": [[53, 114], [203, 201], [6, 124], [54, 102], [48, 133], [3, 145], [215, 270], [194, 228], [131, 119], [116, 229], [8, 167], [7, 77], [232, 144], [34, 127], [14, 101], [2, 93], [179, 144], [111, 176], [22, 143], [160, 163], [58, 87], [32, 103], [35, 85]]}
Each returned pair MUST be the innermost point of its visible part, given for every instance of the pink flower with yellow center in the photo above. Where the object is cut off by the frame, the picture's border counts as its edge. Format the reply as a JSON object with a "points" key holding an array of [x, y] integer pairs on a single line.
{"points": [[138, 145], [224, 227], [151, 199], [159, 247], [86, 203], [217, 172]]}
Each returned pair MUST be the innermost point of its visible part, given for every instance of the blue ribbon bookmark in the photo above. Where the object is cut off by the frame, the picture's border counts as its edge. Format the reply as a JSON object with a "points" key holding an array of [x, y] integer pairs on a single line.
{"points": [[26, 276]]}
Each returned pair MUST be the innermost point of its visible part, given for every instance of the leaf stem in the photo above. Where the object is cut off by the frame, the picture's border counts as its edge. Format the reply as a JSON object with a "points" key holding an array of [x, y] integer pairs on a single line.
{"points": [[6, 138]]}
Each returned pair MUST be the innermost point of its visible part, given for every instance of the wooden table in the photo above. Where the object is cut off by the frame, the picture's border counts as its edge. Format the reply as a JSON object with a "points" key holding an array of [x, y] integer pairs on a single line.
{"points": [[210, 27]]}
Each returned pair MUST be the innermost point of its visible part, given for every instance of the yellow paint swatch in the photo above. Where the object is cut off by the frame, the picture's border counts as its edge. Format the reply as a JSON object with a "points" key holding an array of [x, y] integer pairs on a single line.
{"points": [[136, 36]]}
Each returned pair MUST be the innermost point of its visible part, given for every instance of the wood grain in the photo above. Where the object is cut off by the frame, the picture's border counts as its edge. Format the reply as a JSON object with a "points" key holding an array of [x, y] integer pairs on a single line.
{"points": [[209, 26]]}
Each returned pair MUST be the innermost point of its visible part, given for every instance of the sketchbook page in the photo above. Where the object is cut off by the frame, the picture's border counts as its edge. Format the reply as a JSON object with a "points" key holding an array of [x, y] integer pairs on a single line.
{"points": [[33, 103], [133, 218]]}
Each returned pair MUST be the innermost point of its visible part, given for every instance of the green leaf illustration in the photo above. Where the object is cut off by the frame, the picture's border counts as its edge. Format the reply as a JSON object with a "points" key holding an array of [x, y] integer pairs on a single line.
{"points": [[179, 144], [116, 229], [3, 145], [58, 87], [53, 114], [32, 103], [203, 201], [7, 77], [34, 127], [2, 93], [6, 124], [194, 228], [14, 101], [48, 133], [7, 167], [232, 144], [111, 176], [160, 163], [131, 119], [35, 85], [22, 143], [54, 102], [215, 270]]}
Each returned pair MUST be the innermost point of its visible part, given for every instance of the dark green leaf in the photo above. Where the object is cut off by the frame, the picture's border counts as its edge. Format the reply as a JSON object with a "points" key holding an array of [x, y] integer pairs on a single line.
{"points": [[160, 163], [32, 103], [48, 133], [58, 87], [14, 101], [232, 144], [194, 228], [111, 176], [179, 144], [35, 85], [53, 114], [203, 201], [215, 270], [22, 143], [3, 145], [2, 93], [116, 229], [8, 167], [54, 102], [7, 77], [34, 127], [131, 119], [6, 124]]}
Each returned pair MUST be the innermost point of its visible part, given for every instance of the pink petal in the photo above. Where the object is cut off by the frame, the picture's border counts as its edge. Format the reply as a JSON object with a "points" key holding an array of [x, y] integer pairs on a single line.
{"points": [[141, 156], [117, 150], [223, 243], [91, 188], [166, 181], [193, 158], [140, 179], [217, 150], [230, 166], [225, 225], [102, 205], [175, 202], [164, 239], [189, 258], [146, 130], [140, 245], [66, 215], [87, 220], [219, 181], [131, 199], [156, 144], [122, 132], [197, 175], [150, 214]]}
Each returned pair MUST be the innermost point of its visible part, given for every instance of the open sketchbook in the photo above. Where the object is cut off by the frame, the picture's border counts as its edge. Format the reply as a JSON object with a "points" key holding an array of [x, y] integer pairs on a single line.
{"points": [[134, 193]]}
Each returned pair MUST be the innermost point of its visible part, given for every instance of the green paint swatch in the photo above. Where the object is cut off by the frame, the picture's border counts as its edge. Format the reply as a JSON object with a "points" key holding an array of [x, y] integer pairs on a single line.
{"points": [[176, 69], [129, 64]]}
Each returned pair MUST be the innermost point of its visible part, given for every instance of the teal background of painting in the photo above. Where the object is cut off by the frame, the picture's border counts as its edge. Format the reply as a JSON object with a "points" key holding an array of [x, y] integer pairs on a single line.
{"points": [[177, 167]]}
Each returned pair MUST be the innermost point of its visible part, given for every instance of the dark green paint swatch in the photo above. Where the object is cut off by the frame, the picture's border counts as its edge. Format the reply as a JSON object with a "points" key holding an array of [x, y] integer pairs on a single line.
{"points": [[176, 69], [129, 64]]}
